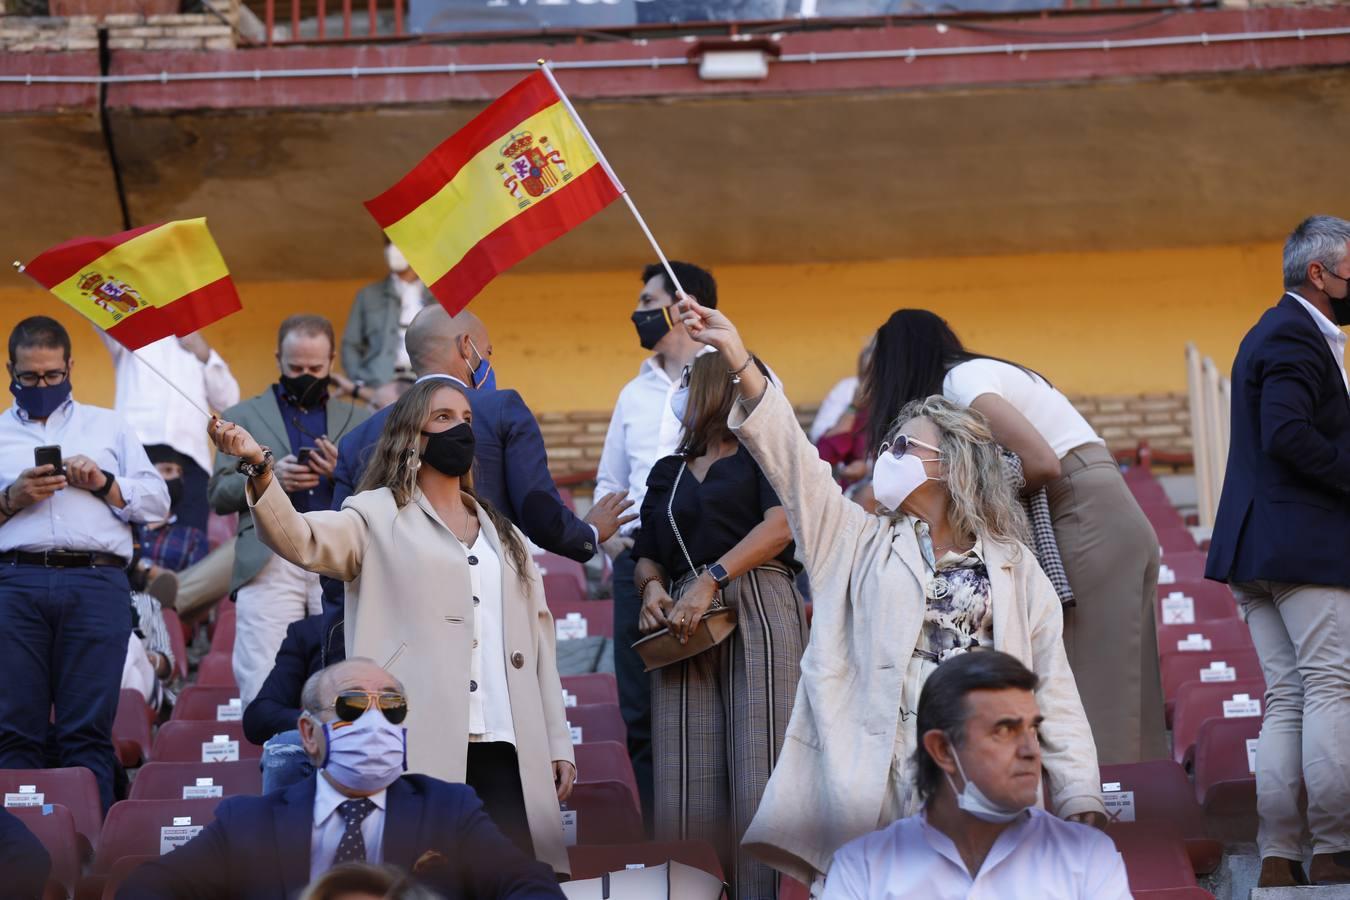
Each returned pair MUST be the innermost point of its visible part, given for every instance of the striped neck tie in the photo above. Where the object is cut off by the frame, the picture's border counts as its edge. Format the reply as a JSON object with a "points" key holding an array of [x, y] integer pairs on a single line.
{"points": [[352, 847]]}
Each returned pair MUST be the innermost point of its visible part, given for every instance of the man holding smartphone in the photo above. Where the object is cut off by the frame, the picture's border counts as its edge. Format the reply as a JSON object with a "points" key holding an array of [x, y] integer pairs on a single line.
{"points": [[76, 478]]}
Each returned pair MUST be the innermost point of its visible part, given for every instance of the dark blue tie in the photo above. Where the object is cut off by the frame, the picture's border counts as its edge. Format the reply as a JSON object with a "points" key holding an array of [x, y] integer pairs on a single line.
{"points": [[352, 847]]}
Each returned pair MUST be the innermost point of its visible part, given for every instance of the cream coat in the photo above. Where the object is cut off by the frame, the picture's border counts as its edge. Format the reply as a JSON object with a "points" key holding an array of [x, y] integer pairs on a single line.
{"points": [[867, 579], [408, 600]]}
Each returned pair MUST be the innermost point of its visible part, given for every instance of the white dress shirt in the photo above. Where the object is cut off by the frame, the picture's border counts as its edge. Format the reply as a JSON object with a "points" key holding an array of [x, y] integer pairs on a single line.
{"points": [[329, 827], [1040, 857], [412, 297], [74, 519], [1331, 331], [833, 407], [489, 702], [158, 413], [1048, 410]]}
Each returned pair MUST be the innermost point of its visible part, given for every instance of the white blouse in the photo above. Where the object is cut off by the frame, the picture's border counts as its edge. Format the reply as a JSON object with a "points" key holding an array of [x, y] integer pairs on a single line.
{"points": [[489, 701], [1049, 411]]}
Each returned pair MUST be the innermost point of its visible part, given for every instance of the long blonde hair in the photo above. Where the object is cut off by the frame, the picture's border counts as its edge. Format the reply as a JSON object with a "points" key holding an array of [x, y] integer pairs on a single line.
{"points": [[396, 459], [983, 501]]}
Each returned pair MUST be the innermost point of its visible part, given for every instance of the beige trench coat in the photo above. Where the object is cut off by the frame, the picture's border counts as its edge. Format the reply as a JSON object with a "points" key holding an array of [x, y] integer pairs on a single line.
{"points": [[408, 599], [867, 580]]}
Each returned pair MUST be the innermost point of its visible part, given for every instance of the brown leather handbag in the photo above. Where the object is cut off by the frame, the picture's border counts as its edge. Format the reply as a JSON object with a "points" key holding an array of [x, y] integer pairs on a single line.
{"points": [[662, 648]]}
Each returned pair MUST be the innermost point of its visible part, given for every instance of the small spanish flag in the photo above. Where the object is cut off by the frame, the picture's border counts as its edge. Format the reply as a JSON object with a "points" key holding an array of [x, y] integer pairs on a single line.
{"points": [[144, 284], [515, 178]]}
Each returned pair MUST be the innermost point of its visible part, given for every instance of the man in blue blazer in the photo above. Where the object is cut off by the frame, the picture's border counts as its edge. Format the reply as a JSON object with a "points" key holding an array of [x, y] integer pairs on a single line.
{"points": [[1280, 540], [510, 464], [358, 808], [24, 862]]}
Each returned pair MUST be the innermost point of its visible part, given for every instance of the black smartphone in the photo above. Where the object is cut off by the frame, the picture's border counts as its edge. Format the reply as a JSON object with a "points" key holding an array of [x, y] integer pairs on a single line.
{"points": [[49, 455], [302, 455]]}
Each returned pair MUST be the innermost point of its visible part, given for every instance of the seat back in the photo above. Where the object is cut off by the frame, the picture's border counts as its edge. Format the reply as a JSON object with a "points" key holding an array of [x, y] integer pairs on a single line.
{"points": [[149, 828], [600, 812], [595, 687], [1225, 779], [594, 860], [605, 761], [1210, 601], [222, 635], [553, 564], [131, 728], [1221, 634], [562, 587], [177, 641], [74, 788], [1154, 854], [216, 670], [1174, 540], [1197, 702], [1185, 566], [597, 614], [208, 703], [1180, 668], [185, 741], [54, 826], [597, 722], [119, 873], [187, 780]]}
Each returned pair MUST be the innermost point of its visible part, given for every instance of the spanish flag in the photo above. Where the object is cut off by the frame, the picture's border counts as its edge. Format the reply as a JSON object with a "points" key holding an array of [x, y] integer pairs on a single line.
{"points": [[516, 177], [144, 284]]}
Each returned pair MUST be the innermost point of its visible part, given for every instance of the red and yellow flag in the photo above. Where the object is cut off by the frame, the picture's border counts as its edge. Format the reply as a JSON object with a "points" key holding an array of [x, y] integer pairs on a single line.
{"points": [[144, 284], [516, 177]]}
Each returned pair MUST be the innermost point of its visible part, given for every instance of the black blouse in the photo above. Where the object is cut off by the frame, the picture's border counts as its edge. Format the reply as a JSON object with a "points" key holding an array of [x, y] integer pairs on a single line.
{"points": [[713, 516]]}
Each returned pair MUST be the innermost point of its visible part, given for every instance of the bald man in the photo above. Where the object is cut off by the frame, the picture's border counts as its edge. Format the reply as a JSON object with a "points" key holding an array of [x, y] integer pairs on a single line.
{"points": [[511, 463]]}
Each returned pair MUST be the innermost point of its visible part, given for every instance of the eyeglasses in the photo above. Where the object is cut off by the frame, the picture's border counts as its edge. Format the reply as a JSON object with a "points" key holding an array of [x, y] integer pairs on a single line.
{"points": [[351, 705], [33, 379], [903, 444]]}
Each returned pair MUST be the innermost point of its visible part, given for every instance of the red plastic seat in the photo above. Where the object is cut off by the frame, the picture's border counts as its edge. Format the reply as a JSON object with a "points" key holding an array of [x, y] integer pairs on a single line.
{"points": [[131, 728], [598, 722], [606, 813], [178, 642], [596, 687], [562, 587], [1222, 634], [1181, 893], [222, 635], [605, 761], [119, 873], [198, 703], [216, 670], [1224, 782], [54, 826], [792, 889], [1155, 855], [133, 827], [220, 529], [594, 860], [1161, 513], [1162, 794], [183, 741], [553, 564], [1186, 566], [1197, 702], [1180, 668], [74, 788], [599, 615], [1213, 601], [169, 780], [1175, 540]]}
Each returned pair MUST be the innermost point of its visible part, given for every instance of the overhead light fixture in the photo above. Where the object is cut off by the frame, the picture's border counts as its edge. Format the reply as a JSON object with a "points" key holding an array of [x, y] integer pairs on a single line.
{"points": [[734, 59]]}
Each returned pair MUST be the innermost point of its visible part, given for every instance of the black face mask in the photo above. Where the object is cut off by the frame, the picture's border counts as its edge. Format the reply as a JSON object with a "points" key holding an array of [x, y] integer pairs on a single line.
{"points": [[305, 390], [175, 486], [652, 325], [450, 452], [1340, 306]]}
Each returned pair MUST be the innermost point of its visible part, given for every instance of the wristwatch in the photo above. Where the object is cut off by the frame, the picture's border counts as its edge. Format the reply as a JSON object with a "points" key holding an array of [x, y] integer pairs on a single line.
{"points": [[719, 575], [253, 470], [107, 484]]}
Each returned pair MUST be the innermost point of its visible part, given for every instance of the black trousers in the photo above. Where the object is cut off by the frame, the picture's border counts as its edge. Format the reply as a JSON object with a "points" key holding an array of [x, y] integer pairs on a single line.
{"points": [[635, 685], [192, 509], [494, 774]]}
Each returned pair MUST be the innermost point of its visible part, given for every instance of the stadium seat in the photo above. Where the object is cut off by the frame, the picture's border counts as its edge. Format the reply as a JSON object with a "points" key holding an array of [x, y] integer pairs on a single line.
{"points": [[561, 587], [594, 860], [1175, 540], [598, 615], [792, 889], [54, 826], [135, 828], [1225, 783], [565, 494], [1181, 893], [1222, 634], [605, 761], [1211, 601], [131, 728], [216, 670], [1179, 668], [605, 812], [177, 641], [184, 741], [553, 564], [596, 687], [220, 529], [1197, 702], [1154, 853], [1184, 566], [168, 780], [1162, 514], [120, 871], [597, 722], [222, 633], [1162, 793], [74, 788], [200, 703]]}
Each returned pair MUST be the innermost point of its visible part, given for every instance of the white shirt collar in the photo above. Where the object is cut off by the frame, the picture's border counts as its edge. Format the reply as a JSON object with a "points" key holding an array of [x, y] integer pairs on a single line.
{"points": [[1326, 326], [431, 375], [650, 365], [328, 798]]}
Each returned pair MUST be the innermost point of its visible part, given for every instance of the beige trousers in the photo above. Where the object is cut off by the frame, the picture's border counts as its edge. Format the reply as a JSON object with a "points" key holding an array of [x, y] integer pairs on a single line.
{"points": [[1111, 555], [206, 581], [280, 594], [1302, 635]]}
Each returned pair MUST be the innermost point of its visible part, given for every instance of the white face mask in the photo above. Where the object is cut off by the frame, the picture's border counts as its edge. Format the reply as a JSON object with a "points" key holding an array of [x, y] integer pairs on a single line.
{"points": [[395, 259], [679, 403], [367, 755], [973, 800], [894, 478]]}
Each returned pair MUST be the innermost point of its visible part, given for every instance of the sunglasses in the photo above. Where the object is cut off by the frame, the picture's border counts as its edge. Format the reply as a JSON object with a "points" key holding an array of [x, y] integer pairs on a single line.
{"points": [[351, 705], [903, 443]]}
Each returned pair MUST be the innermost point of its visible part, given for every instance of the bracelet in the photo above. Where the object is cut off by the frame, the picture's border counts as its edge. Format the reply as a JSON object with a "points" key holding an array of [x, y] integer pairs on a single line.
{"points": [[736, 375], [256, 470], [642, 588]]}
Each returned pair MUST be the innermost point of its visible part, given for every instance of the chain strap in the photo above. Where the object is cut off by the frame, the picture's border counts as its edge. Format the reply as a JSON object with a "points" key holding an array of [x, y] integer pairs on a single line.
{"points": [[679, 539]]}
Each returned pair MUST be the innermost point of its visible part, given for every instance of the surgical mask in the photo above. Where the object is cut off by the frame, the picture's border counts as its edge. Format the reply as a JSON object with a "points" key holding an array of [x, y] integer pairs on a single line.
{"points": [[367, 755], [894, 478], [305, 390], [41, 400], [973, 800], [679, 403], [175, 486], [652, 325], [1340, 306], [450, 452], [483, 377], [394, 258]]}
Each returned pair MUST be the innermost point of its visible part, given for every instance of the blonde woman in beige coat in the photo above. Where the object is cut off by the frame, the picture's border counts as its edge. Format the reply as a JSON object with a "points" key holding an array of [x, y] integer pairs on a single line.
{"points": [[441, 586], [893, 595]]}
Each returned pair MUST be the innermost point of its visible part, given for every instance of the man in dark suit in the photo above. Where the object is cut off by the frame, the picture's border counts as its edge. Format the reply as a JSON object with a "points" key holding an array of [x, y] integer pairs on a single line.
{"points": [[511, 463], [1280, 542], [358, 808], [24, 862]]}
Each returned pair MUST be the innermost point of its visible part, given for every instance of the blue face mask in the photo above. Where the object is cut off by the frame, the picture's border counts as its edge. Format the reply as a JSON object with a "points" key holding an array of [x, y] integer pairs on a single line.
{"points": [[41, 400], [679, 403], [484, 378]]}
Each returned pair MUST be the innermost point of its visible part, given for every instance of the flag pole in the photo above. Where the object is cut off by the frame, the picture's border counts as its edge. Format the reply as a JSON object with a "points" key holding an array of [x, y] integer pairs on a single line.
{"points": [[19, 267], [609, 170]]}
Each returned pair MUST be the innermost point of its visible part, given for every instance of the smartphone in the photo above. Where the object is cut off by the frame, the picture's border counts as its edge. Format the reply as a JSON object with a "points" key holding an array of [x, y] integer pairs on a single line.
{"points": [[302, 455], [49, 455]]}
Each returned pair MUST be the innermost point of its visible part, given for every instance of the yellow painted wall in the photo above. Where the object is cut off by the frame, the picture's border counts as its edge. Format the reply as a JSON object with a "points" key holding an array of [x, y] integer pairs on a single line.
{"points": [[1093, 323]]}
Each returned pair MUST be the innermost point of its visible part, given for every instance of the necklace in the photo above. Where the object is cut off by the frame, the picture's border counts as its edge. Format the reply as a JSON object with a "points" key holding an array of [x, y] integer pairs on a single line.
{"points": [[468, 527]]}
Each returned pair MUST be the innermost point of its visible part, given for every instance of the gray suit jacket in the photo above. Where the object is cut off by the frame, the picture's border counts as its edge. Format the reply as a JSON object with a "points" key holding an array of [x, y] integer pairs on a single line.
{"points": [[370, 340], [261, 417]]}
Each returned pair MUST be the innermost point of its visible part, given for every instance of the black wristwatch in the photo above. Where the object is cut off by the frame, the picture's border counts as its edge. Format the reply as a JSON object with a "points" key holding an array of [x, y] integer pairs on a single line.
{"points": [[719, 575], [107, 484], [254, 470]]}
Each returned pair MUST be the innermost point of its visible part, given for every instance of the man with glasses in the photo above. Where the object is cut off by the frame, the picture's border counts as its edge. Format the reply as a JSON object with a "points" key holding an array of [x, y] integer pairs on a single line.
{"points": [[359, 807], [65, 540]]}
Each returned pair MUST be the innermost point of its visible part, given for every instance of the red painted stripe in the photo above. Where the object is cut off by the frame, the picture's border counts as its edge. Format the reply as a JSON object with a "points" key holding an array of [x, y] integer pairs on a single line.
{"points": [[525, 233], [188, 313], [53, 266], [442, 164]]}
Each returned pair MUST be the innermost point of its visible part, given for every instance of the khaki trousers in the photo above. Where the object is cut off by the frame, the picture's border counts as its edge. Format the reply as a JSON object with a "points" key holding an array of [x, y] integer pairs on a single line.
{"points": [[1111, 555], [1302, 635], [205, 582], [280, 594]]}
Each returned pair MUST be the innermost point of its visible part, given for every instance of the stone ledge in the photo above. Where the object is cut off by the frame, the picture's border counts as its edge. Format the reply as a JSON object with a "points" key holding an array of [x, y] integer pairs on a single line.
{"points": [[1323, 892]]}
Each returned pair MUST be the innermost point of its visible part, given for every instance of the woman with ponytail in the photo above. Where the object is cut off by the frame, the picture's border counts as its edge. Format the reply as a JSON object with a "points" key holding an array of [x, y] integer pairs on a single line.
{"points": [[442, 592]]}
